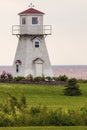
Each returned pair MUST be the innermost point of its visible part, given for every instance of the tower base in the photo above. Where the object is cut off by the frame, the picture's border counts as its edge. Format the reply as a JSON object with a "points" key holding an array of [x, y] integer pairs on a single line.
{"points": [[32, 58]]}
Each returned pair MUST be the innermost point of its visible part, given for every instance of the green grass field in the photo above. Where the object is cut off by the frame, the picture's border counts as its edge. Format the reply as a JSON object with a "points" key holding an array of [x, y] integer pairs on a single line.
{"points": [[50, 96], [45, 128]]}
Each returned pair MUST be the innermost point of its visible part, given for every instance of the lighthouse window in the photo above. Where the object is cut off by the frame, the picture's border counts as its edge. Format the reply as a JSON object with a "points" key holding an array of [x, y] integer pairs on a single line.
{"points": [[36, 44], [23, 21], [17, 68], [34, 20]]}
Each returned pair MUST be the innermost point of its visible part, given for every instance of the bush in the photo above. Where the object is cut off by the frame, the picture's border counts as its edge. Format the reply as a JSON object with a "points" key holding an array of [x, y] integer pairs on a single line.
{"points": [[34, 110], [48, 78], [72, 88], [55, 78], [19, 78], [39, 79], [3, 76], [29, 77], [60, 78], [15, 113], [6, 76]]}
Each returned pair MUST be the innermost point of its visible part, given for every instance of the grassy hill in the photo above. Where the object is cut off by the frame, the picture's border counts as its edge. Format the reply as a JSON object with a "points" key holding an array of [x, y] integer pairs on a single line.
{"points": [[50, 96]]}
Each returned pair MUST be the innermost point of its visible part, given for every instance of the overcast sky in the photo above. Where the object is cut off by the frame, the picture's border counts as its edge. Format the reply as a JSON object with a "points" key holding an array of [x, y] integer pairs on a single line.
{"points": [[68, 43]]}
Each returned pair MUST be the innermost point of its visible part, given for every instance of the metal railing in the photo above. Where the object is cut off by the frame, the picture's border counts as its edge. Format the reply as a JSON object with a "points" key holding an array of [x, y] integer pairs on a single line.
{"points": [[31, 30]]}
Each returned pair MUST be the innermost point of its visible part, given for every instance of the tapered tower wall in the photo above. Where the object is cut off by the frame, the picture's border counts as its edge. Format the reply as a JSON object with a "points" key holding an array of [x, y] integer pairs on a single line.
{"points": [[27, 53]]}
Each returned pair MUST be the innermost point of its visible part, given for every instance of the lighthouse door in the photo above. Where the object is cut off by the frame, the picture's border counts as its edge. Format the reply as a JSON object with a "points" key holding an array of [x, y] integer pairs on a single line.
{"points": [[38, 63], [38, 69]]}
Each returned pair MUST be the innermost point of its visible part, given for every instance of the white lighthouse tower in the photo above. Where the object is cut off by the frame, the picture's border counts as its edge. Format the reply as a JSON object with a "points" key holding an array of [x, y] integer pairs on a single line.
{"points": [[31, 55]]}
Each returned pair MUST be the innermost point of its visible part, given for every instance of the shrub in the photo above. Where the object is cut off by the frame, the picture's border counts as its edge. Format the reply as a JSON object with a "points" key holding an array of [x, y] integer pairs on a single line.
{"points": [[72, 88], [6, 76], [54, 78], [29, 77], [48, 78], [19, 78], [23, 101], [9, 76], [3, 76], [39, 115], [39, 79], [62, 78], [34, 110], [53, 118]]}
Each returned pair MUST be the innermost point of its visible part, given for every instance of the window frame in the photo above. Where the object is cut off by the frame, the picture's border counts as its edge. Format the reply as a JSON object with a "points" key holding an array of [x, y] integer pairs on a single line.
{"points": [[17, 65], [23, 20], [17, 68], [34, 20], [37, 44]]}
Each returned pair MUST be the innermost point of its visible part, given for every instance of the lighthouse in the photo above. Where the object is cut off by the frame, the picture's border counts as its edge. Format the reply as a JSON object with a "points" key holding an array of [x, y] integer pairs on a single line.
{"points": [[31, 56]]}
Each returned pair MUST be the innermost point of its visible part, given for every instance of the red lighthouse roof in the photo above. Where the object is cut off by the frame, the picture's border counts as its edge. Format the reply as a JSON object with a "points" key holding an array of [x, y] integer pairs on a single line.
{"points": [[31, 11]]}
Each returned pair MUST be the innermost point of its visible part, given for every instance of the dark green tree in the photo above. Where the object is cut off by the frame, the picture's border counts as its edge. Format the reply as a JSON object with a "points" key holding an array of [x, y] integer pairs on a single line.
{"points": [[72, 88]]}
